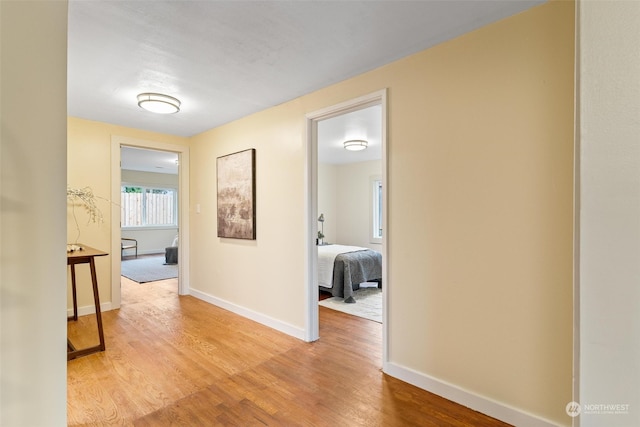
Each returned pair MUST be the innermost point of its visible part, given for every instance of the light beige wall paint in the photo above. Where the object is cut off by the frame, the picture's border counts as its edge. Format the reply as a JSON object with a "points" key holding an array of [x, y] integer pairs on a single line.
{"points": [[327, 189], [480, 210], [33, 66], [265, 275], [353, 194], [149, 178], [89, 164], [480, 246], [344, 198]]}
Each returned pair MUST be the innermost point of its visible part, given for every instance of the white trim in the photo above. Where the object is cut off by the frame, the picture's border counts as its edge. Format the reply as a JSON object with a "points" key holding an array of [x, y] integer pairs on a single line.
{"points": [[115, 224], [467, 398], [90, 309], [158, 251], [355, 104], [373, 203], [311, 323], [183, 206], [151, 228], [576, 216], [270, 322], [385, 229], [312, 328]]}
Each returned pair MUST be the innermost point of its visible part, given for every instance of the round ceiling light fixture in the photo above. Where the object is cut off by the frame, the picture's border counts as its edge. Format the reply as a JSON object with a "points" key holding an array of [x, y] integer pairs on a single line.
{"points": [[355, 144], [158, 103]]}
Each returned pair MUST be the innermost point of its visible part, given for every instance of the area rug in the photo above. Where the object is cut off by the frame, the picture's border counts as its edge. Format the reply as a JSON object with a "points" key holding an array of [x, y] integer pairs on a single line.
{"points": [[368, 304], [148, 269]]}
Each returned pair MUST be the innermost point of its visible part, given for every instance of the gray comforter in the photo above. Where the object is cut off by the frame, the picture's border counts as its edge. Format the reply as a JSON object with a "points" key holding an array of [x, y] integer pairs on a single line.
{"points": [[353, 268]]}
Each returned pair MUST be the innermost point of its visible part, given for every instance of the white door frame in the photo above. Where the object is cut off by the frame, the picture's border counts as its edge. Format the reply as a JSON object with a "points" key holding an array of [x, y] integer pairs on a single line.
{"points": [[183, 209], [312, 327]]}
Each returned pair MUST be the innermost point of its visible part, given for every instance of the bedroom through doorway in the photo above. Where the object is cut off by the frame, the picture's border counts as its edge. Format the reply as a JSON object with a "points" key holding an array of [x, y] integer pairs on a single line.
{"points": [[347, 158]]}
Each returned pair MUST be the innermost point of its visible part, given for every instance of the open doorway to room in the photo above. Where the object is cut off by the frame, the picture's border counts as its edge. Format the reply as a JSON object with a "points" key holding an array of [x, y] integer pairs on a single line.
{"points": [[149, 194], [347, 210], [150, 180]]}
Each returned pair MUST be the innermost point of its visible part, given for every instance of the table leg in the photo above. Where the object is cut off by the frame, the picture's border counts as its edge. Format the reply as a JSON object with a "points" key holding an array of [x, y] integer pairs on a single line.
{"points": [[73, 291], [72, 351], [96, 298]]}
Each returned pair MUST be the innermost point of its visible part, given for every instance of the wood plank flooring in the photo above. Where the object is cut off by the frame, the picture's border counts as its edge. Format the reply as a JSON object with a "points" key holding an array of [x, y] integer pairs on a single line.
{"points": [[177, 361]]}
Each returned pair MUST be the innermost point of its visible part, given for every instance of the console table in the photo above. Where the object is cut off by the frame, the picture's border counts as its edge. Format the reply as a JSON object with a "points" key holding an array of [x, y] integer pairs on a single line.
{"points": [[85, 255]]}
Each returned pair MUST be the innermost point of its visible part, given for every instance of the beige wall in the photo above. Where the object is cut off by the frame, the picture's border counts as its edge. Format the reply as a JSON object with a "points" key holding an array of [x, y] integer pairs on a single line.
{"points": [[344, 196], [327, 188], [266, 275], [480, 196], [89, 164], [355, 203], [480, 210], [149, 178], [33, 88]]}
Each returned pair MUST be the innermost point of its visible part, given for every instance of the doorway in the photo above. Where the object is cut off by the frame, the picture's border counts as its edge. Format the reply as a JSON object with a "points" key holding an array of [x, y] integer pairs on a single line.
{"points": [[377, 99], [149, 214], [181, 185]]}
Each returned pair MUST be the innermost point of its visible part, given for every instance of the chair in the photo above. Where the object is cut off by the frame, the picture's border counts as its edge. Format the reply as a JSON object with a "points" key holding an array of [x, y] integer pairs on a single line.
{"points": [[127, 243], [171, 253]]}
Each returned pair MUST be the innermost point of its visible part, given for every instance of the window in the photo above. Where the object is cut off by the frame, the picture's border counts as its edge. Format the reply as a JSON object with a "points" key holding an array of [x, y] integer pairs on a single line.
{"points": [[376, 210], [148, 206]]}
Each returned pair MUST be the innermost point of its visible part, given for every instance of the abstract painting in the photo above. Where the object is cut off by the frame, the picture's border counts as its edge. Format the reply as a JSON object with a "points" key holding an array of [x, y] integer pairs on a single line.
{"points": [[236, 182]]}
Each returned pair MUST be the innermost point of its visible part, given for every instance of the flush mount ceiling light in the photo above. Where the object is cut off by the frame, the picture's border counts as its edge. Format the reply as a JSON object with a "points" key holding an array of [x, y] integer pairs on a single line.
{"points": [[158, 103], [355, 144]]}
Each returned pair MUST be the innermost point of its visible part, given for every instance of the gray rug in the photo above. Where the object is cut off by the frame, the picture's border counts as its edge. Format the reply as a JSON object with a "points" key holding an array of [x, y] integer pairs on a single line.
{"points": [[368, 304], [148, 269]]}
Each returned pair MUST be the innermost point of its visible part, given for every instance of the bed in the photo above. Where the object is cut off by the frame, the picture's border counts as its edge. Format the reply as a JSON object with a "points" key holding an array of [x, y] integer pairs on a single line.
{"points": [[341, 269]]}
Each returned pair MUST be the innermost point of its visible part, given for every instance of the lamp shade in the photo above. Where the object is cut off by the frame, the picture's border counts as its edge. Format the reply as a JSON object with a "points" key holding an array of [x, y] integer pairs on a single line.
{"points": [[355, 144], [158, 103]]}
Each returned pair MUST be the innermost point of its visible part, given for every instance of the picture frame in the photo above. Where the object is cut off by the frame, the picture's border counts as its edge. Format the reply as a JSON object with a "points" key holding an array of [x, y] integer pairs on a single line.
{"points": [[236, 195]]}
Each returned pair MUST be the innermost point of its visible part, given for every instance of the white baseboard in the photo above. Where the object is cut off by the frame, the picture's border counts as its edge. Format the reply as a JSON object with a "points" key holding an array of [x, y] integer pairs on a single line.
{"points": [[89, 309], [454, 393], [249, 314], [130, 253], [466, 398]]}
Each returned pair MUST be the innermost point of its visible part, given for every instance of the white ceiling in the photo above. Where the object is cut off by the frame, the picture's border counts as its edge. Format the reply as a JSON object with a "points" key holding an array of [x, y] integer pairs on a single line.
{"points": [[140, 159], [227, 59], [363, 124]]}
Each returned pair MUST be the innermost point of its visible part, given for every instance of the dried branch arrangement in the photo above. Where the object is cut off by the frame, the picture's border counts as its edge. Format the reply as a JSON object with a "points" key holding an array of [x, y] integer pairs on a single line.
{"points": [[86, 198]]}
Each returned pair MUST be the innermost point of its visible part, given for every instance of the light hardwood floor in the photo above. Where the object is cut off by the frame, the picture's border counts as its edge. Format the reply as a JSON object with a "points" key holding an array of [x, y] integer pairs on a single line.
{"points": [[179, 361]]}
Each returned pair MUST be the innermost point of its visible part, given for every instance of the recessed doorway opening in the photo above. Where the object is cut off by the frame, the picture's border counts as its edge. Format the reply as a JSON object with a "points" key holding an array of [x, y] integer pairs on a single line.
{"points": [[325, 130]]}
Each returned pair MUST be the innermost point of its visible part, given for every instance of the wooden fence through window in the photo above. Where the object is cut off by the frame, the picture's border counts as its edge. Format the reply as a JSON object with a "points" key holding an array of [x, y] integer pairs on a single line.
{"points": [[152, 207]]}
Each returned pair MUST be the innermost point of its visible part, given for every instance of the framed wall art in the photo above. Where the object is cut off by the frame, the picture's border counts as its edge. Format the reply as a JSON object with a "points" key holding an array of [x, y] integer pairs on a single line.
{"points": [[236, 185]]}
